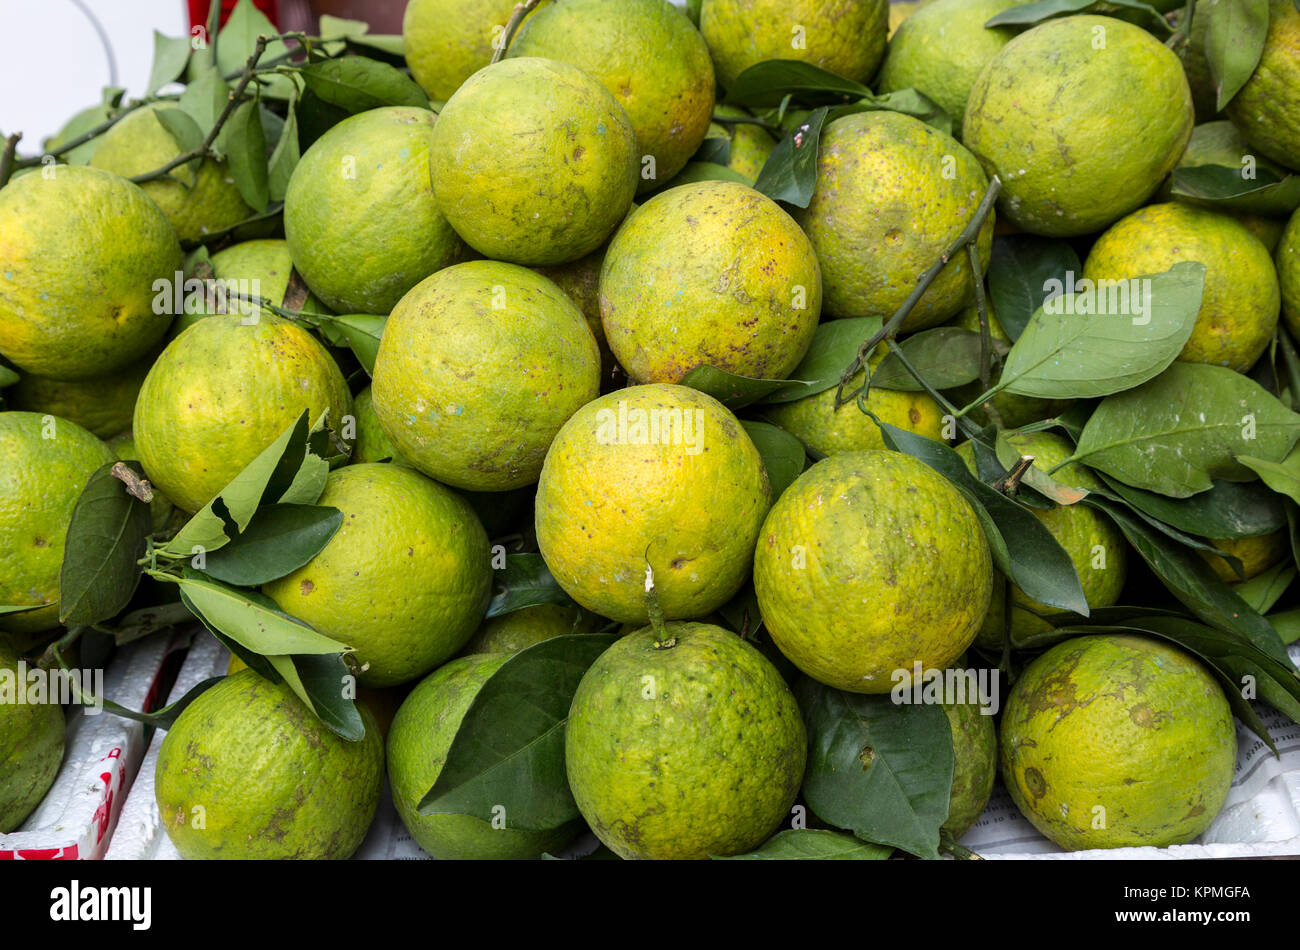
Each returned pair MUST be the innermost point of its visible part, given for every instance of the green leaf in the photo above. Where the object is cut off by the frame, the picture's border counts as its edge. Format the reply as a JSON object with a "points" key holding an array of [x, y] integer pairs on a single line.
{"points": [[1283, 477], [716, 150], [944, 356], [768, 82], [1264, 590], [1066, 355], [280, 539], [907, 101], [170, 56], [834, 345], [1020, 268], [20, 608], [508, 751], [238, 39], [729, 389], [1022, 547], [340, 28], [1177, 432], [285, 157], [184, 131], [163, 718], [1287, 625], [879, 769], [1234, 43], [1227, 510], [790, 172], [1031, 13], [308, 484], [526, 581], [392, 44], [363, 332], [811, 844], [1214, 183], [150, 620], [249, 618], [204, 99], [320, 681], [356, 83], [783, 455], [105, 538], [7, 377], [707, 171], [245, 144]]}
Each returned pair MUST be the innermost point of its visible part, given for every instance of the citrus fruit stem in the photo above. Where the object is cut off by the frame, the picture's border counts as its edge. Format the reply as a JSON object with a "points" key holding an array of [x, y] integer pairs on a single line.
{"points": [[517, 15], [7, 158]]}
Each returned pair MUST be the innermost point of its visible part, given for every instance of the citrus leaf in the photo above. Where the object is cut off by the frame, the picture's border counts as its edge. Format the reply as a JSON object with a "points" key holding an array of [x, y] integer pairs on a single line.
{"points": [[8, 377], [319, 681], [181, 127], [729, 389], [790, 172], [341, 28], [20, 608], [813, 844], [715, 149], [879, 769], [363, 332], [250, 618], [245, 143], [944, 356], [238, 39], [1031, 13], [204, 99], [526, 581], [1066, 355], [1227, 510], [284, 159], [150, 620], [170, 55], [1234, 43], [1264, 590], [508, 751], [1210, 183], [1283, 477], [391, 44], [105, 539], [279, 539], [768, 82], [834, 346], [783, 455], [1020, 267], [357, 83], [308, 483], [1176, 433], [1287, 625], [163, 718]]}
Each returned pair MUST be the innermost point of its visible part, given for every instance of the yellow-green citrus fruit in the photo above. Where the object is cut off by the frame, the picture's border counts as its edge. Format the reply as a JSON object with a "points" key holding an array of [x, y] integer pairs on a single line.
{"points": [[359, 213], [266, 777], [478, 367], [1221, 143], [1267, 109], [102, 405], [825, 430], [1241, 299], [160, 509], [660, 474], [197, 203], [709, 274], [519, 629], [580, 279], [534, 162], [1095, 546], [941, 48], [899, 11], [749, 144], [869, 563], [44, 465], [1288, 273], [975, 765], [418, 743], [447, 41], [31, 749], [1012, 409], [1117, 741], [1268, 230], [80, 253], [221, 392], [1081, 118], [406, 579], [371, 445], [892, 194], [382, 702], [683, 745], [649, 56], [846, 37], [1257, 554]]}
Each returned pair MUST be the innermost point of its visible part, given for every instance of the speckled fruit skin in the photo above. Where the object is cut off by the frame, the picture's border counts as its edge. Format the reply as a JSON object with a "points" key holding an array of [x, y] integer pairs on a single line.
{"points": [[869, 563], [447, 41], [709, 274], [648, 55], [359, 213], [406, 579], [102, 405], [686, 746], [418, 742], [975, 765], [197, 203], [43, 468], [534, 162], [1079, 529], [478, 367], [611, 497], [272, 782], [1288, 273], [1267, 109], [1241, 300], [892, 194], [846, 37], [825, 430], [221, 392], [31, 750], [79, 254], [1080, 136], [1125, 724], [523, 628]]}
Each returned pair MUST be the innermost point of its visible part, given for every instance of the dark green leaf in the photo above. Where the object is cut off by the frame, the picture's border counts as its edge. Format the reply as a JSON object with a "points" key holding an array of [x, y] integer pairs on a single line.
{"points": [[279, 539], [944, 356], [356, 83], [729, 389], [707, 171], [716, 150], [105, 538], [508, 751], [768, 82], [1223, 183], [1234, 42], [285, 157], [790, 172], [907, 101], [1227, 510], [170, 56], [1177, 432], [526, 581], [245, 144], [326, 685], [7, 377], [783, 454], [1020, 268], [879, 769], [834, 346], [809, 844], [1031, 13]]}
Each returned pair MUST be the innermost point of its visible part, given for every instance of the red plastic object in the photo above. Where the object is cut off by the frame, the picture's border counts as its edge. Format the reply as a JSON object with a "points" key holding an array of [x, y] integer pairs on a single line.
{"points": [[199, 11]]}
